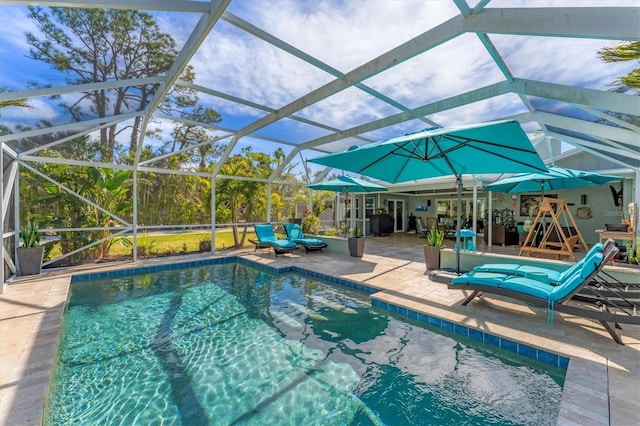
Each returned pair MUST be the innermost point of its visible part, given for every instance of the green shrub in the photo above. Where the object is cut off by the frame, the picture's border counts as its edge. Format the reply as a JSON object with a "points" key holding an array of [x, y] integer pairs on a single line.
{"points": [[435, 237], [29, 234], [204, 245]]}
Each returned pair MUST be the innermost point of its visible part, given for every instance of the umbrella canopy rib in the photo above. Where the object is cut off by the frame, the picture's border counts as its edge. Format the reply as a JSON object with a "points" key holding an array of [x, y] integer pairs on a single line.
{"points": [[497, 153], [444, 155]]}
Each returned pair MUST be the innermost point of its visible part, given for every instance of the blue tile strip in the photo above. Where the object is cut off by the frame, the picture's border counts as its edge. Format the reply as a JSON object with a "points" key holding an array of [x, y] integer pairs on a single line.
{"points": [[479, 335]]}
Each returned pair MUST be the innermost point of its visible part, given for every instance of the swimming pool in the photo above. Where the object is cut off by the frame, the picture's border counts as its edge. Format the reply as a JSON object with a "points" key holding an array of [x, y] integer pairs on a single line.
{"points": [[230, 344]]}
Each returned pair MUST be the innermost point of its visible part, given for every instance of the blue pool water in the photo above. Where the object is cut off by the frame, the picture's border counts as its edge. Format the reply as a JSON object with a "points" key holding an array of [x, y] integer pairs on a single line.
{"points": [[229, 344]]}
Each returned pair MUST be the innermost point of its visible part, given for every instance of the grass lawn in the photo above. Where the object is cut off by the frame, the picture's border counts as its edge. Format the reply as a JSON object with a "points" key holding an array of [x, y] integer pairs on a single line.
{"points": [[163, 244], [177, 243]]}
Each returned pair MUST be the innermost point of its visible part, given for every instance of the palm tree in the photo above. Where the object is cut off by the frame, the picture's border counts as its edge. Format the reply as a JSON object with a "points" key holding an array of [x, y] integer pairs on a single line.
{"points": [[624, 52]]}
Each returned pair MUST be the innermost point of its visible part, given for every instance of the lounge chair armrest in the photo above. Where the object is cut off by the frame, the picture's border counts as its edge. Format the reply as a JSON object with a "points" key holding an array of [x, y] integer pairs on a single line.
{"points": [[538, 276]]}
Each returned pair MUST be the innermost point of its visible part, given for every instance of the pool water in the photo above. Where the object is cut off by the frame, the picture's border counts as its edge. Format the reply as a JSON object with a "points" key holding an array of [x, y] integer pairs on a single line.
{"points": [[229, 344]]}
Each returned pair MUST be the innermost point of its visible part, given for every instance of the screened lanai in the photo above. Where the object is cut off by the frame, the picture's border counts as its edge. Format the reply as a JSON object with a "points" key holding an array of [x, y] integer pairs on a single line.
{"points": [[167, 129]]}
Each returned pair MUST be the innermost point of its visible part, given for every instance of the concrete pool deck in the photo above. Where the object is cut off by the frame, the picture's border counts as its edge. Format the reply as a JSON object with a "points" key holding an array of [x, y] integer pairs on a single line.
{"points": [[602, 385]]}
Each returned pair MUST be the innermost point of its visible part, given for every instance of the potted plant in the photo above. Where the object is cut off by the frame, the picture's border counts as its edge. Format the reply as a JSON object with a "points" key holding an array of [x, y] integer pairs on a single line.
{"points": [[356, 242], [435, 240], [31, 252], [310, 223]]}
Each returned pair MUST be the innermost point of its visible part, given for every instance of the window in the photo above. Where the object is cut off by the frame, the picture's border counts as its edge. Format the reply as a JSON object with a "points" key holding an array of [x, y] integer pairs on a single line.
{"points": [[369, 204]]}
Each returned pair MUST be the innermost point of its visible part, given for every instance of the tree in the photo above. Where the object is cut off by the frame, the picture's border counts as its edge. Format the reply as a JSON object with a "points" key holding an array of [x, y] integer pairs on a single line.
{"points": [[107, 188], [245, 200], [21, 103], [17, 102], [624, 52], [100, 45]]}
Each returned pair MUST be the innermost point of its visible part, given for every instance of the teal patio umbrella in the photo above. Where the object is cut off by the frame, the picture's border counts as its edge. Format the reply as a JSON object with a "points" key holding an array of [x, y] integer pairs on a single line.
{"points": [[494, 147], [556, 178], [347, 184]]}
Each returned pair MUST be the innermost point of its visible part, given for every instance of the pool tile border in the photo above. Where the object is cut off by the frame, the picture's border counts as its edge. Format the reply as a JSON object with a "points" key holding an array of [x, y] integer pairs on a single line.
{"points": [[471, 333], [478, 335]]}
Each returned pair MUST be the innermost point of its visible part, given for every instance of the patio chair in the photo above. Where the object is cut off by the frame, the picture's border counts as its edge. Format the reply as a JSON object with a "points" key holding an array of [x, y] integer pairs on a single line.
{"points": [[267, 238], [295, 234], [421, 228], [550, 276], [556, 298]]}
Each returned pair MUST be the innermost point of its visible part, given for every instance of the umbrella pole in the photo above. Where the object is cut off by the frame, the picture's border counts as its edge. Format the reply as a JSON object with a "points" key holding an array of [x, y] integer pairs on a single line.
{"points": [[458, 223]]}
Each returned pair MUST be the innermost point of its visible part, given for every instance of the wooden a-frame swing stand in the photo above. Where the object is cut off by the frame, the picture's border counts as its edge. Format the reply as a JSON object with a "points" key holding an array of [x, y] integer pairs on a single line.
{"points": [[567, 242]]}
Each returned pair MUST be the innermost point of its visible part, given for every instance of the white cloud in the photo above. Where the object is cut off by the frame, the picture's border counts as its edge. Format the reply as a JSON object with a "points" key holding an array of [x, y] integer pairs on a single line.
{"points": [[455, 67], [343, 34], [39, 110], [560, 60], [346, 34], [562, 3], [477, 112], [241, 65], [15, 23]]}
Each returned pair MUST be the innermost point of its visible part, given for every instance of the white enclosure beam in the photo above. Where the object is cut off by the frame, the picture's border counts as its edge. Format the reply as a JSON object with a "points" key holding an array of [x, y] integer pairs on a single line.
{"points": [[8, 151], [199, 33], [75, 194], [77, 88], [84, 125], [610, 118], [403, 52], [604, 131], [463, 7], [282, 45], [574, 22], [230, 132], [3, 255], [164, 5], [72, 162], [85, 247], [449, 103], [8, 180], [593, 149], [10, 264], [69, 138], [618, 102], [284, 163], [237, 100], [493, 52]]}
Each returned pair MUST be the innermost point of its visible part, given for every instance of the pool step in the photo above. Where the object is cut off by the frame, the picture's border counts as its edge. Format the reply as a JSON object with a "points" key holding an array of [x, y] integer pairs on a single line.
{"points": [[286, 319], [333, 305], [309, 312]]}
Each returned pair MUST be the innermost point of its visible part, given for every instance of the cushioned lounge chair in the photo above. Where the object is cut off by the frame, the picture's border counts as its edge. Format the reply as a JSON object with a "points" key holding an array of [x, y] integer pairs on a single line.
{"points": [[556, 298], [604, 283], [267, 238], [295, 234], [550, 276]]}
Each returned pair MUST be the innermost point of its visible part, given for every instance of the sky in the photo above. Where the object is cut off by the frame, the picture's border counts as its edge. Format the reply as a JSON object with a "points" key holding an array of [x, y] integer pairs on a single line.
{"points": [[342, 34]]}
